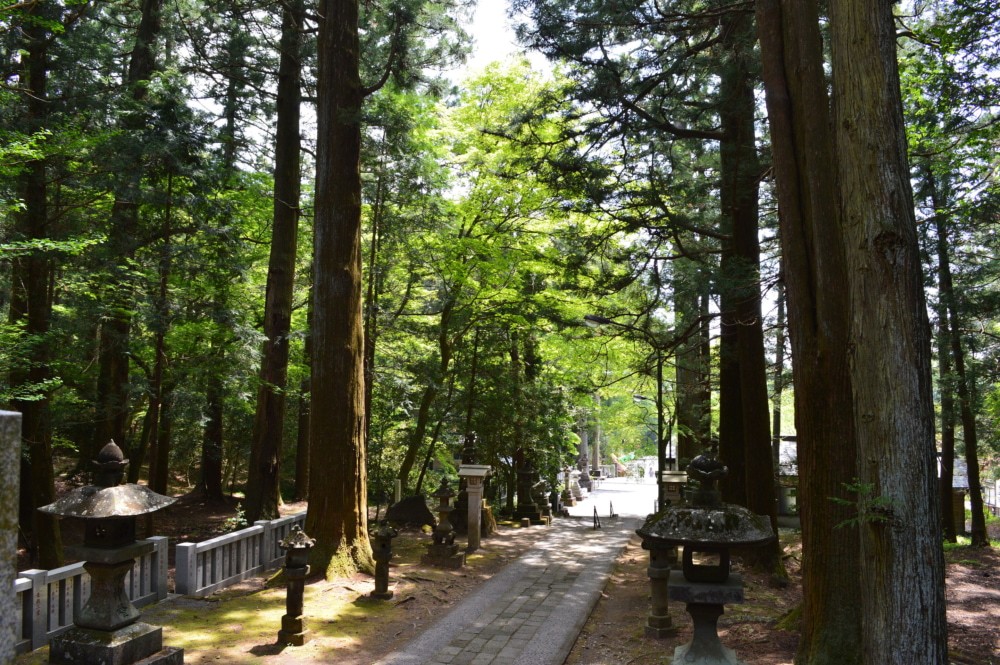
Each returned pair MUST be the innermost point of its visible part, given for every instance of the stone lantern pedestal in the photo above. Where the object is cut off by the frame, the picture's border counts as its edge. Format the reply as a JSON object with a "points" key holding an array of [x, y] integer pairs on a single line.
{"points": [[705, 602], [443, 551], [474, 476], [540, 492]]}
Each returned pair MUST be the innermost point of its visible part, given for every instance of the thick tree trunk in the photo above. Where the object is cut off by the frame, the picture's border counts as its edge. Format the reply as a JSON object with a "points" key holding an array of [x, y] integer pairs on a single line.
{"points": [[902, 563], [970, 436], [692, 408], [302, 434], [112, 399], [302, 445], [31, 305], [161, 305], [213, 436], [815, 274], [338, 501], [946, 380], [739, 195], [963, 386], [264, 471], [731, 435]]}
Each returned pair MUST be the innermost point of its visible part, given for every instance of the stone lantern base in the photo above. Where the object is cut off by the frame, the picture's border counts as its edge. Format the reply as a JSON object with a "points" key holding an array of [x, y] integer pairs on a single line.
{"points": [[705, 605], [444, 555], [135, 643]]}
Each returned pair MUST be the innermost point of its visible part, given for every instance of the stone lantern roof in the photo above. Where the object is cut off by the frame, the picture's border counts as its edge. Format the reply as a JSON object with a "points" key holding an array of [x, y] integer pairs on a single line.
{"points": [[108, 498]]}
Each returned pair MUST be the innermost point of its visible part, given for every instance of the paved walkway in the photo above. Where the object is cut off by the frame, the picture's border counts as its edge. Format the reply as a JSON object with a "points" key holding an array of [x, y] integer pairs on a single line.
{"points": [[531, 612]]}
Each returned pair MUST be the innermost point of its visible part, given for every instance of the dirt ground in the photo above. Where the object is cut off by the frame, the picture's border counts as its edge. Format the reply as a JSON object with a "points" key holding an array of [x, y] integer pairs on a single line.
{"points": [[351, 630], [614, 633]]}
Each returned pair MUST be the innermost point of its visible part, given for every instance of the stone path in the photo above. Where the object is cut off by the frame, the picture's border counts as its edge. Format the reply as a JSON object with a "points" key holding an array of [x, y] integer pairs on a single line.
{"points": [[532, 611]]}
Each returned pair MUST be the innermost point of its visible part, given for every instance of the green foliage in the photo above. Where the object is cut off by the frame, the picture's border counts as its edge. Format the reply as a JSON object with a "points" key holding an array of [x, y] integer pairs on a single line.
{"points": [[871, 509], [237, 521]]}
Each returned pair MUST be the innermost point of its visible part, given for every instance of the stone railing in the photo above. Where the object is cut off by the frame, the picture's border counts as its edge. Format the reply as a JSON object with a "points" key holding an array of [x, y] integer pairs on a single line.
{"points": [[214, 564], [48, 600]]}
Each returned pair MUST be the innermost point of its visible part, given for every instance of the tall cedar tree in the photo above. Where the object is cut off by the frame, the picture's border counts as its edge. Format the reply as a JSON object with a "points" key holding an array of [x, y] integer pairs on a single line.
{"points": [[818, 319], [111, 402], [749, 447], [338, 497], [265, 453], [963, 384], [902, 563], [31, 302]]}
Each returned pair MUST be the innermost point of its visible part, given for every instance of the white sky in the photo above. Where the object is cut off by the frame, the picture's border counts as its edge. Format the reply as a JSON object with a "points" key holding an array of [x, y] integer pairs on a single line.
{"points": [[494, 38]]}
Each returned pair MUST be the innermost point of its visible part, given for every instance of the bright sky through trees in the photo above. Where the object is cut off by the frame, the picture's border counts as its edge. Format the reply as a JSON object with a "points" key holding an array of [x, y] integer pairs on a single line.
{"points": [[494, 38]]}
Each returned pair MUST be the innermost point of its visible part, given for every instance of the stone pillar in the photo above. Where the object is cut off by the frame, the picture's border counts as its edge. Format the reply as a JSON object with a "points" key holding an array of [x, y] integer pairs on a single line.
{"points": [[383, 554], [293, 624], [10, 465], [459, 520], [526, 507], [474, 476], [296, 546], [661, 561], [583, 463]]}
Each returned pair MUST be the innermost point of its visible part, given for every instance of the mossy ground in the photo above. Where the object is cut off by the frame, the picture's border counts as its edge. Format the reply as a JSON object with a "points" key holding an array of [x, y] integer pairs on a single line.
{"points": [[240, 624]]}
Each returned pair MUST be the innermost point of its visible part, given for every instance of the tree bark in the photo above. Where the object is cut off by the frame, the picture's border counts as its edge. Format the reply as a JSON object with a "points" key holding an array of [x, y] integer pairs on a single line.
{"points": [[338, 501], [112, 399], [212, 440], [264, 471], [31, 305], [741, 172], [818, 311], [302, 434], [946, 378], [902, 563], [963, 385]]}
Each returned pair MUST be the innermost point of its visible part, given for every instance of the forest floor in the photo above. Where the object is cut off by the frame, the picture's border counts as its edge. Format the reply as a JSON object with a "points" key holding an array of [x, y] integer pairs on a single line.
{"points": [[240, 624]]}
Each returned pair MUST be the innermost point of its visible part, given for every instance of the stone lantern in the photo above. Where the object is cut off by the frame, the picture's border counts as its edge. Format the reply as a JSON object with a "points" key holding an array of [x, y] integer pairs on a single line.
{"points": [[107, 629], [296, 546], [567, 494], [707, 526], [443, 551], [382, 552]]}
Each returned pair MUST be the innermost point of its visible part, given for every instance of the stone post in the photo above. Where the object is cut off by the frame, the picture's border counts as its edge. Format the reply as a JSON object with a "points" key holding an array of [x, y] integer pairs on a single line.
{"points": [[293, 625], [474, 475], [383, 554], [526, 507], [661, 561], [10, 465]]}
